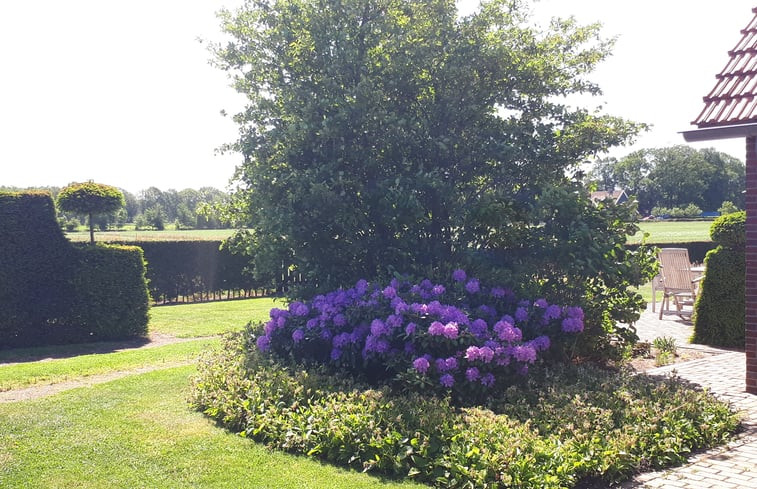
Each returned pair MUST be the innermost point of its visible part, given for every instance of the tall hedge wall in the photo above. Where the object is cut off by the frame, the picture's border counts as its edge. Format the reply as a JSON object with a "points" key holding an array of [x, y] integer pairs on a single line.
{"points": [[187, 268], [53, 292]]}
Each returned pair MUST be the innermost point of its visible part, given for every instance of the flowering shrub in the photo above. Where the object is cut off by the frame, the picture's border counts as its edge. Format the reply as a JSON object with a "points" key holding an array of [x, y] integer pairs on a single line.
{"points": [[461, 337]]}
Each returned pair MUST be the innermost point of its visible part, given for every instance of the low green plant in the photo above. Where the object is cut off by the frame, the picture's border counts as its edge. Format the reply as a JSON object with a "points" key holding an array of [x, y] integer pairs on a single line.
{"points": [[665, 344], [566, 424]]}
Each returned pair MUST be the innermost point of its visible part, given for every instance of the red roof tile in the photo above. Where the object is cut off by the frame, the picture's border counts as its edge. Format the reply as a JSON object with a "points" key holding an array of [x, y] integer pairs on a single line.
{"points": [[733, 101]]}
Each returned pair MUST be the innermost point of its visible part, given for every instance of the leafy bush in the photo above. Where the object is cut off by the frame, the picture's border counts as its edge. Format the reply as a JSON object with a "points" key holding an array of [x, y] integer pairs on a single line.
{"points": [[727, 207], [568, 424], [729, 230], [461, 337], [719, 313]]}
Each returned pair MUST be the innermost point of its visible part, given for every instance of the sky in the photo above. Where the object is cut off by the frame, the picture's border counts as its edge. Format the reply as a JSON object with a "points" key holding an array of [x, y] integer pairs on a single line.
{"points": [[122, 93]]}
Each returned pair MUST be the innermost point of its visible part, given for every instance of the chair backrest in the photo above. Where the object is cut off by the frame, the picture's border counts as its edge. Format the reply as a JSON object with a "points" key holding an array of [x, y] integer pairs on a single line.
{"points": [[676, 268]]}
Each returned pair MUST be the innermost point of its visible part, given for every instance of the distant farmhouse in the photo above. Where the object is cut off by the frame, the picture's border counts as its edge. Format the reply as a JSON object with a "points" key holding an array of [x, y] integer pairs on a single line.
{"points": [[617, 196]]}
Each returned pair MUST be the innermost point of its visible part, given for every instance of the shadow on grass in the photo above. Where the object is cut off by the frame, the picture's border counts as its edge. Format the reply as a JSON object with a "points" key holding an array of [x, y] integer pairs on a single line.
{"points": [[37, 353]]}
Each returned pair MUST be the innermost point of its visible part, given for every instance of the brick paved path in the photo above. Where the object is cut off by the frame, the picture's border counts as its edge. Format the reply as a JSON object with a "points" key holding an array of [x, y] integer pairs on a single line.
{"points": [[732, 466]]}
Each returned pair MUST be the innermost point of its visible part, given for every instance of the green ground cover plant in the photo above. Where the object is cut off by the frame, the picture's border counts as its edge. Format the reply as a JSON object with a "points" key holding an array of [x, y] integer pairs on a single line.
{"points": [[20, 375], [209, 318], [563, 426], [139, 432]]}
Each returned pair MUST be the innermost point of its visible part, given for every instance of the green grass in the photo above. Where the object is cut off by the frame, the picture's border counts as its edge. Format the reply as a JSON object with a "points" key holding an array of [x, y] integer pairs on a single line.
{"points": [[52, 371], [661, 232], [166, 235], [209, 318], [139, 432]]}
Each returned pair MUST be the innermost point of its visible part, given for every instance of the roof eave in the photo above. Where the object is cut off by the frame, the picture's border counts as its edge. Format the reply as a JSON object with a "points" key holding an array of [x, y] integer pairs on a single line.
{"points": [[720, 132]]}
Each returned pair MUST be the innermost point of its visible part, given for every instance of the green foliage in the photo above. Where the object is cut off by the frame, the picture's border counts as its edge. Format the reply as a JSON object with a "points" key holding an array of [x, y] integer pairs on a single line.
{"points": [[185, 268], [691, 210], [90, 199], [570, 424], [386, 136], [729, 230], [54, 293], [111, 298], [675, 177], [719, 313], [727, 207]]}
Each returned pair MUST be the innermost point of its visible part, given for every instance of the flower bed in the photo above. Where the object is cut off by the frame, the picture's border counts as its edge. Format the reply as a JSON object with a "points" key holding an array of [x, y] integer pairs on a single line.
{"points": [[462, 337]]}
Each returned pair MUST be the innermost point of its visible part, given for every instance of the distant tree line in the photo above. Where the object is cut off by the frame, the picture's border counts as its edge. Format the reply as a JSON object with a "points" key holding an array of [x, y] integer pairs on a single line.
{"points": [[156, 209], [675, 180]]}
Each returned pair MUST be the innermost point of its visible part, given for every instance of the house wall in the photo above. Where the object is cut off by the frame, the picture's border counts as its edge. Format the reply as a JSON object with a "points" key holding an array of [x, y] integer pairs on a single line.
{"points": [[751, 265]]}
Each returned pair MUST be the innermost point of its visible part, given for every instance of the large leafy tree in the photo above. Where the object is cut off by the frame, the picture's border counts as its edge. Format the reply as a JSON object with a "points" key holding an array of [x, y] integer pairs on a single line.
{"points": [[90, 199], [675, 176], [393, 135]]}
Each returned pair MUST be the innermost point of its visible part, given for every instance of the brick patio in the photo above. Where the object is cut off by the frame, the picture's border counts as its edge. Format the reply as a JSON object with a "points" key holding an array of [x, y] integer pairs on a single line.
{"points": [[723, 373]]}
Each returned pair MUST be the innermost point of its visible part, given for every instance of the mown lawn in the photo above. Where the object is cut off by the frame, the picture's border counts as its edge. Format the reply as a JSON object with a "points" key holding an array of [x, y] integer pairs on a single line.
{"points": [[661, 232], [210, 318], [138, 431], [52, 371], [166, 235]]}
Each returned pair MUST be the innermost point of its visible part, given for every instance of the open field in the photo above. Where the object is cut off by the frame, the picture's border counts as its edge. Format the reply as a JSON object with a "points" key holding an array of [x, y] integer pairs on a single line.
{"points": [[168, 235], [672, 232]]}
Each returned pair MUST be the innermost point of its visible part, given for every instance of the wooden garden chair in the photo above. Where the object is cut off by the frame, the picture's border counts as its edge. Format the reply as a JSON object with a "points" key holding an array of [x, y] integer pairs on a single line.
{"points": [[677, 282]]}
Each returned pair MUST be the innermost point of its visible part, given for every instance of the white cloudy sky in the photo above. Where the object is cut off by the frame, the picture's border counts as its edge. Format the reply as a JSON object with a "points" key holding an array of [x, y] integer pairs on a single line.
{"points": [[121, 92]]}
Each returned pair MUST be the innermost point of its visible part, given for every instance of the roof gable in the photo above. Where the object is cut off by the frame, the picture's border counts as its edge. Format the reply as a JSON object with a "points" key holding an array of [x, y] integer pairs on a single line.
{"points": [[733, 100]]}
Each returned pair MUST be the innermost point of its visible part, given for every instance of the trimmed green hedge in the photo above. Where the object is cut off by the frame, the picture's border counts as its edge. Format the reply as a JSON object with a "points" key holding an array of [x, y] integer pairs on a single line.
{"points": [[188, 268], [111, 294], [719, 314], [697, 249], [52, 292]]}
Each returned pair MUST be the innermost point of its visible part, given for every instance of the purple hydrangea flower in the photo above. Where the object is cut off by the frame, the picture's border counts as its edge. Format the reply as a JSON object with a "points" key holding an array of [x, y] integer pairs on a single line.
{"points": [[572, 325], [507, 332], [298, 309], [410, 329], [361, 287], [541, 343], [524, 353], [341, 340], [552, 312], [312, 323], [390, 292], [488, 379], [471, 353], [298, 335], [340, 320], [521, 314], [542, 303], [486, 354], [441, 364], [498, 292], [459, 275], [451, 331], [269, 327], [336, 353], [473, 286], [451, 363], [378, 327], [447, 380], [264, 343], [394, 321], [472, 374], [479, 328], [421, 364], [436, 329], [438, 290]]}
